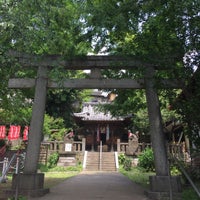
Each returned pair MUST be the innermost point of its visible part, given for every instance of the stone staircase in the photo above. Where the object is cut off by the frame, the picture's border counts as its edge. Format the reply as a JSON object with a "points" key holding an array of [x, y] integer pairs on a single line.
{"points": [[93, 162]]}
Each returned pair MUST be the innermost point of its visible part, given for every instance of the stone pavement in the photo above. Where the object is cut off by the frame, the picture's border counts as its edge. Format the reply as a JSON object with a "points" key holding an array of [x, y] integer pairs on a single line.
{"points": [[96, 185]]}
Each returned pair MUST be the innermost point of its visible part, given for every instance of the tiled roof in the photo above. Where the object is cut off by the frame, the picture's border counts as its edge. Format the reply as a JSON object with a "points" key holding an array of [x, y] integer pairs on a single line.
{"points": [[90, 113]]}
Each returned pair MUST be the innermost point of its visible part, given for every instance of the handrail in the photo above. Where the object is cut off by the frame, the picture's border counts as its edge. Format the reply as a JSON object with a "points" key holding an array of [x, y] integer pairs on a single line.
{"points": [[100, 156], [5, 171], [116, 160], [5, 164], [85, 160], [187, 176]]}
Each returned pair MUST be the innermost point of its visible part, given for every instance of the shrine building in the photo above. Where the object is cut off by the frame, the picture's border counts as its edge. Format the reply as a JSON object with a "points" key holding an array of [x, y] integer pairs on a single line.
{"points": [[97, 126]]}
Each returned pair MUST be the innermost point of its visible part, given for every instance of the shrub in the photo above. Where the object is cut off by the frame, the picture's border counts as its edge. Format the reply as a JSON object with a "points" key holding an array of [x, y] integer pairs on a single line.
{"points": [[53, 159], [127, 164], [43, 168], [121, 159], [146, 160], [174, 170]]}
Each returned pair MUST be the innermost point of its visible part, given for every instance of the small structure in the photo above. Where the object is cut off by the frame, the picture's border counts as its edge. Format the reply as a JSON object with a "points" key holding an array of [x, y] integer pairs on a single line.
{"points": [[133, 144], [67, 157]]}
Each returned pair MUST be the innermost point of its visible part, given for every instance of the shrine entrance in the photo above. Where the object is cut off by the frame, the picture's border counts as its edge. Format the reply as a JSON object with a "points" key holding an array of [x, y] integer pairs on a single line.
{"points": [[107, 133], [99, 127], [95, 81]]}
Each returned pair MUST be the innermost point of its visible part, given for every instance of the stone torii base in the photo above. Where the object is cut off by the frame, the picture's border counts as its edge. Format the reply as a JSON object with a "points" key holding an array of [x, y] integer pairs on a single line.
{"points": [[165, 188], [30, 185]]}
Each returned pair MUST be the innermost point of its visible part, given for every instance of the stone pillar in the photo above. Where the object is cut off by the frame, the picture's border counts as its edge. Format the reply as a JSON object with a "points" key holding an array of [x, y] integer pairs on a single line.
{"points": [[83, 144], [161, 185], [30, 182], [156, 129], [118, 146]]}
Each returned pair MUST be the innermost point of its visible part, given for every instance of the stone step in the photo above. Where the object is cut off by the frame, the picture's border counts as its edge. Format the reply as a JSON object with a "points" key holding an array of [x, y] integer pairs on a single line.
{"points": [[93, 161]]}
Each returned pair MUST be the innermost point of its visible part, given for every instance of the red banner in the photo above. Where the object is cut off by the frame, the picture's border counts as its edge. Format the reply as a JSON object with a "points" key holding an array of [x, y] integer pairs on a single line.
{"points": [[25, 133], [2, 132], [14, 132]]}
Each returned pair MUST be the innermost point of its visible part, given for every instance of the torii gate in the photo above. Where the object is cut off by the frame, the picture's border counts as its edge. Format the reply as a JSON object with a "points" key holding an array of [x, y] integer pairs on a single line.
{"points": [[95, 64]]}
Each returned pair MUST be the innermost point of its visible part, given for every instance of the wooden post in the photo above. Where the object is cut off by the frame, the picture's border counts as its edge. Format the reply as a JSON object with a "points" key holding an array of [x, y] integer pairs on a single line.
{"points": [[156, 129], [93, 135], [36, 126]]}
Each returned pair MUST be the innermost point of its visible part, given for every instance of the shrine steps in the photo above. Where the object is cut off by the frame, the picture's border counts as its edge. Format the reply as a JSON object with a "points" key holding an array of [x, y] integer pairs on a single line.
{"points": [[93, 162]]}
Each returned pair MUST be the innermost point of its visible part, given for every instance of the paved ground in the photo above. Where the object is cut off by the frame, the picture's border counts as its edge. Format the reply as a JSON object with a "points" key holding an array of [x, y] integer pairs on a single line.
{"points": [[96, 186]]}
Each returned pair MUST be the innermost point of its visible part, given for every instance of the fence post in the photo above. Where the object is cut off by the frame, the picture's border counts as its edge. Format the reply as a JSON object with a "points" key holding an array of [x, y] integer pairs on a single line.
{"points": [[5, 164], [83, 144], [118, 145]]}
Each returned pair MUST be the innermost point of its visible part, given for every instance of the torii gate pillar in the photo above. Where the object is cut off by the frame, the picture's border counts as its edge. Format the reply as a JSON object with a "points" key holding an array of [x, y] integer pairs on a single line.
{"points": [[30, 182], [161, 183]]}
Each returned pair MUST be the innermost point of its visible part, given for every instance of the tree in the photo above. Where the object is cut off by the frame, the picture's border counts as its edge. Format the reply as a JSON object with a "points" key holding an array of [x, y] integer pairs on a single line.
{"points": [[47, 27], [163, 33], [158, 32]]}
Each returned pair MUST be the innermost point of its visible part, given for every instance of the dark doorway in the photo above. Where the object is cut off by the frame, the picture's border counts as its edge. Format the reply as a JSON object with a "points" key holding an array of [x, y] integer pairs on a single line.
{"points": [[103, 138]]}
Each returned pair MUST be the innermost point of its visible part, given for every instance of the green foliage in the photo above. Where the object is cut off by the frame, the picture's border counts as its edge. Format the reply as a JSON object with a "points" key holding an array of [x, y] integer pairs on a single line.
{"points": [[43, 168], [187, 105], [174, 170], [77, 168], [2, 143], [60, 104], [138, 175], [156, 32], [146, 160], [125, 162], [17, 113], [54, 168], [19, 198], [189, 194], [54, 128], [194, 172], [52, 160], [121, 158]]}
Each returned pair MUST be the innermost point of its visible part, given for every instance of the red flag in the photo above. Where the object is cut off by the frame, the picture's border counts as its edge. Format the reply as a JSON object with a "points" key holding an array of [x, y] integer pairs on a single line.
{"points": [[25, 133], [14, 132], [2, 132]]}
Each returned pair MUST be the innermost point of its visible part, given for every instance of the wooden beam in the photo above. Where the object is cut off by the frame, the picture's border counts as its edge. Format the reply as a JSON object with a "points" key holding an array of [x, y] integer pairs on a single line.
{"points": [[94, 83], [81, 63]]}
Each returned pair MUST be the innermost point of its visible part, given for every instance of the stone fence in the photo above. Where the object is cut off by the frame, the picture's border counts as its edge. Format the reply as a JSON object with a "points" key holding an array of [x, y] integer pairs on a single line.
{"points": [[58, 146], [177, 150]]}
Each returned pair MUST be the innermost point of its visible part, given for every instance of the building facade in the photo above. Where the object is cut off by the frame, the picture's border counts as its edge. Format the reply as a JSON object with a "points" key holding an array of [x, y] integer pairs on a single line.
{"points": [[99, 127]]}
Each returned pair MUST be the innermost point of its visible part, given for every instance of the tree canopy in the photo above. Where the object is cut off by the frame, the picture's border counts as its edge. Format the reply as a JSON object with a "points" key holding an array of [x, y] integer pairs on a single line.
{"points": [[159, 32]]}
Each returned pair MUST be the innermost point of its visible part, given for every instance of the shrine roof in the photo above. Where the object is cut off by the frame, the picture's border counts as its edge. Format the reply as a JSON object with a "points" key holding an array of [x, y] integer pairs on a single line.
{"points": [[91, 113]]}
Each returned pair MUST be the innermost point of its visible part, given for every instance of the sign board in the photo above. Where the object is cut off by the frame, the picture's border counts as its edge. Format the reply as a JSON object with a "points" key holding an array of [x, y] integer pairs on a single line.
{"points": [[68, 147]]}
